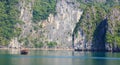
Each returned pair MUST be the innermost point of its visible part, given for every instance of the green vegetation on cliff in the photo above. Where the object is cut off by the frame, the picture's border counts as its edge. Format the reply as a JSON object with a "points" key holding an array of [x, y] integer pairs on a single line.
{"points": [[42, 9], [90, 19], [8, 19], [100, 22], [113, 34]]}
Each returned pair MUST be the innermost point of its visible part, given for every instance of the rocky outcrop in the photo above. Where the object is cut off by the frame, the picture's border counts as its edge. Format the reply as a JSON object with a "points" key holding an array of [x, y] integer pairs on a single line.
{"points": [[100, 31], [25, 9], [14, 43], [113, 38], [96, 27], [60, 27], [57, 28]]}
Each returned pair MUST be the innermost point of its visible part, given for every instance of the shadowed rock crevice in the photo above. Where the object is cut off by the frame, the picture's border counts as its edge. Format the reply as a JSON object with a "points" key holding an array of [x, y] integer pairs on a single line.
{"points": [[99, 36]]}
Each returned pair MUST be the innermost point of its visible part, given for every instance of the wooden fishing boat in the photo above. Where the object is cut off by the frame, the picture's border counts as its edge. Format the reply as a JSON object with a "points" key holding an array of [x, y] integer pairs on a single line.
{"points": [[24, 51]]}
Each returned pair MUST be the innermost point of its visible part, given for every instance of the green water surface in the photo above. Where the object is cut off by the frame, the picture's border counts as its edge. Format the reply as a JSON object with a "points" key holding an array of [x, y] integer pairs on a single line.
{"points": [[13, 57]]}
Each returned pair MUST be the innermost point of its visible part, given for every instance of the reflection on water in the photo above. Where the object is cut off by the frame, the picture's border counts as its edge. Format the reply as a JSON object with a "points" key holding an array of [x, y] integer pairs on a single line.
{"points": [[12, 57], [99, 61], [14, 51]]}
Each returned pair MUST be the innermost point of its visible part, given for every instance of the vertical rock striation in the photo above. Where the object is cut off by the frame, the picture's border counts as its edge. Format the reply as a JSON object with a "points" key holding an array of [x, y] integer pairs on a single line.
{"points": [[60, 27]]}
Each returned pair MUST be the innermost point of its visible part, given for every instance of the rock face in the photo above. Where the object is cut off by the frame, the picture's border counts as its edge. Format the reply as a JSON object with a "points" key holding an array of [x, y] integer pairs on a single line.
{"points": [[98, 32], [113, 29], [96, 27], [25, 9], [14, 43], [57, 28], [60, 27]]}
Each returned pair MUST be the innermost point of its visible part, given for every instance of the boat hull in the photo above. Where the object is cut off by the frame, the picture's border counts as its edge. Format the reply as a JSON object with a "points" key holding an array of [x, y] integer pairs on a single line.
{"points": [[24, 52]]}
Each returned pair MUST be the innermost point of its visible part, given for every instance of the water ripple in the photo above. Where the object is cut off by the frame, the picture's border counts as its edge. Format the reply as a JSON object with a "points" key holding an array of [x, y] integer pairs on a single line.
{"points": [[73, 57]]}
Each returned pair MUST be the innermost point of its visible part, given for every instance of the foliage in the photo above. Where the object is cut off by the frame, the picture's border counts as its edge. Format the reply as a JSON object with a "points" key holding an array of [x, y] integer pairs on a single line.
{"points": [[26, 42], [42, 9], [90, 19], [94, 13], [39, 44], [110, 38], [8, 20], [113, 34], [51, 44]]}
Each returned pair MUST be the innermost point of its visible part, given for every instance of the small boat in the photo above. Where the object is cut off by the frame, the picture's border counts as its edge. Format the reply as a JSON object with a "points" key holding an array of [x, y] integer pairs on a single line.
{"points": [[24, 52]]}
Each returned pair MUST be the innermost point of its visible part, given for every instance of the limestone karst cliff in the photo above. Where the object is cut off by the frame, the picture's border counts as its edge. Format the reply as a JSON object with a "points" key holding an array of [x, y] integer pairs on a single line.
{"points": [[98, 28], [85, 24], [56, 28]]}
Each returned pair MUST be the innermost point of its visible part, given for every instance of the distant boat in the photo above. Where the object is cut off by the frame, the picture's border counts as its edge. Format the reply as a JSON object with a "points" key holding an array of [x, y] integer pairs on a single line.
{"points": [[24, 52]]}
